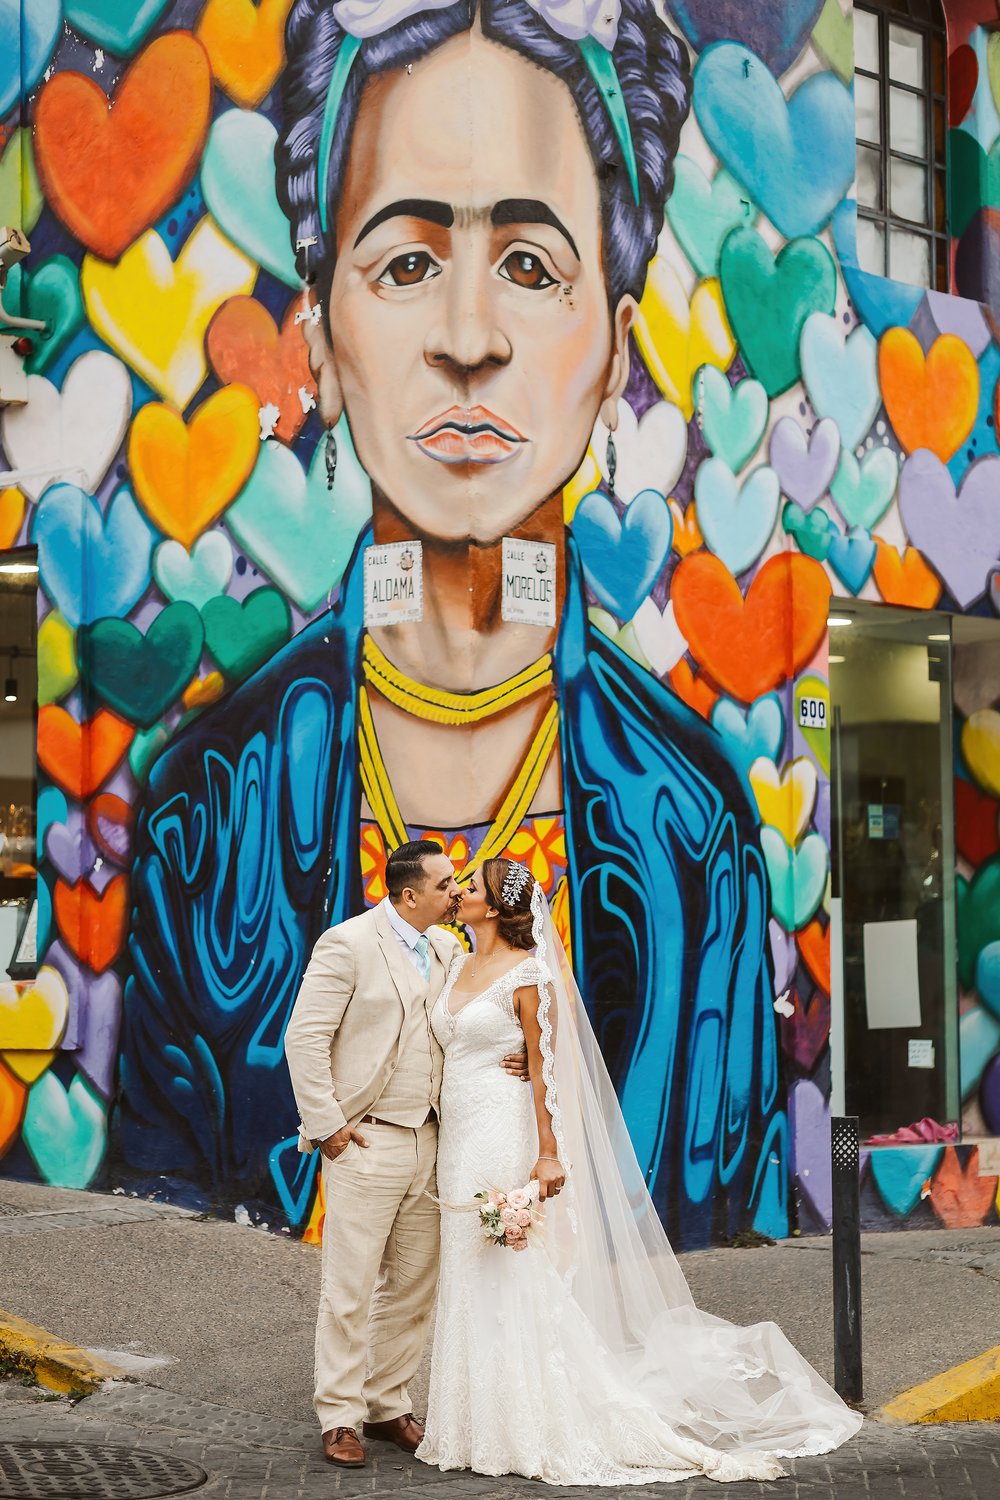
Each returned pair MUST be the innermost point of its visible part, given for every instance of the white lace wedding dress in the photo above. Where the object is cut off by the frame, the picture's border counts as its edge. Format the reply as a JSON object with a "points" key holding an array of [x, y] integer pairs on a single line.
{"points": [[521, 1381]]}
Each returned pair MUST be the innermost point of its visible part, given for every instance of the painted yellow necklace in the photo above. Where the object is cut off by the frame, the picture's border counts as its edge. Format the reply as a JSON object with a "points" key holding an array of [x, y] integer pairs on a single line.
{"points": [[441, 707]]}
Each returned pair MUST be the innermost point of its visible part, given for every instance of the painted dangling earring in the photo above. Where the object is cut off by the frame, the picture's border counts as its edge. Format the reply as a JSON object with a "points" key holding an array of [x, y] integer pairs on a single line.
{"points": [[612, 463], [331, 457]]}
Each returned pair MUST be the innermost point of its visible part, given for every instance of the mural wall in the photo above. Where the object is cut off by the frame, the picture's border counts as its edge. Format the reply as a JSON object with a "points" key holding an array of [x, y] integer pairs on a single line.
{"points": [[395, 475]]}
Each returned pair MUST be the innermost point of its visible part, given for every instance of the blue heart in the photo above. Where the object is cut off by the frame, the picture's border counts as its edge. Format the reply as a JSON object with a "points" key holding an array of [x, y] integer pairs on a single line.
{"points": [[760, 731], [733, 418], [736, 520], [50, 808], [840, 375], [900, 1173], [288, 1162], [777, 32], [91, 565], [109, 24], [623, 559], [237, 181], [880, 304], [29, 30], [852, 558], [795, 157], [978, 1039], [987, 970]]}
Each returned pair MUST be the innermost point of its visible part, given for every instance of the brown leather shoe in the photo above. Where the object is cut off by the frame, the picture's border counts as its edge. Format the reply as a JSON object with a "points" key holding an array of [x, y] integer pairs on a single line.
{"points": [[406, 1432], [342, 1446]]}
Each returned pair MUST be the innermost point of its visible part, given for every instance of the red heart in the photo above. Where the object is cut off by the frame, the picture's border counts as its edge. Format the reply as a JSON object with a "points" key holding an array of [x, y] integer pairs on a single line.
{"points": [[806, 1033], [963, 75], [696, 691], [110, 168], [244, 346], [81, 756], [814, 946], [109, 820], [93, 925], [960, 1197], [976, 836], [748, 646]]}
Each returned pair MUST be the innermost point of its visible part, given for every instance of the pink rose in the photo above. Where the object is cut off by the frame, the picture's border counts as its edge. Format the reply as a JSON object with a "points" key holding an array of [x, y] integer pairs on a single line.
{"points": [[519, 1245], [512, 1234], [509, 1216], [523, 1218], [518, 1198], [497, 1199]]}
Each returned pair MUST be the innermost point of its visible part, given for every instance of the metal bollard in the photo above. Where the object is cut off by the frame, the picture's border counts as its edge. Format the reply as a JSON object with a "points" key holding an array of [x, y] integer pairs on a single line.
{"points": [[844, 1153]]}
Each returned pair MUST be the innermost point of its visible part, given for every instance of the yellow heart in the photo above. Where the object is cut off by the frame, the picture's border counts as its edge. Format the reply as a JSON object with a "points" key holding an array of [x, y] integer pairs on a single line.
{"points": [[32, 1023], [981, 748], [11, 516], [57, 668], [677, 338], [785, 799], [154, 311], [204, 690], [586, 478], [245, 42]]}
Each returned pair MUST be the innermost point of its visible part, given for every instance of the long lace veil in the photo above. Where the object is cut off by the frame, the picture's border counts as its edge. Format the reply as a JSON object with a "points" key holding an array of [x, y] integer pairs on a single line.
{"points": [[737, 1390]]}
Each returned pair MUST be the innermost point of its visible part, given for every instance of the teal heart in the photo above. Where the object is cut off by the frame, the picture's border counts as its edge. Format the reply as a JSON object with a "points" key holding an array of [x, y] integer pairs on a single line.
{"points": [[797, 877], [978, 910], [137, 675], [50, 808], [199, 575], [852, 558], [900, 1173], [863, 492], [736, 520], [44, 898], [987, 969], [237, 182], [814, 532], [297, 530], [701, 213], [978, 1040], [732, 418], [240, 635], [768, 300], [65, 1130], [841, 375], [748, 736], [109, 24], [973, 179], [51, 293], [144, 750]]}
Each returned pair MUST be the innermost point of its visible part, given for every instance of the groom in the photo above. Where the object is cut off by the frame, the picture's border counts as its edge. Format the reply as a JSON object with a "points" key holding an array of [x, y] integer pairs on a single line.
{"points": [[366, 1073]]}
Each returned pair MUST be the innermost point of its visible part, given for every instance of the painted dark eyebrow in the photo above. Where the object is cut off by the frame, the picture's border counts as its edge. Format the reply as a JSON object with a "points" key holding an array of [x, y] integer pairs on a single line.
{"points": [[530, 211], [410, 208]]}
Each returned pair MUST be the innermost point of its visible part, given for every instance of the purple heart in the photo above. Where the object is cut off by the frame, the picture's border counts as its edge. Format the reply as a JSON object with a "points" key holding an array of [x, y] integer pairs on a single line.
{"points": [[102, 1011], [960, 316], [784, 956], [777, 33], [809, 1118], [821, 812], [805, 1033], [115, 837], [989, 1095], [959, 534], [69, 846], [805, 465]]}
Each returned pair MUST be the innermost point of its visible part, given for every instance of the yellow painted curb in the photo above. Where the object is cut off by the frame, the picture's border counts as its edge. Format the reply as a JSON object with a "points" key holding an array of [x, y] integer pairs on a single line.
{"points": [[967, 1393], [55, 1364]]}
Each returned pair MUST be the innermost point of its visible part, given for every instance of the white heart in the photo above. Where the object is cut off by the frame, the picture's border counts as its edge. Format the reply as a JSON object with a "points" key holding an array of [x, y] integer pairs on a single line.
{"points": [[659, 636], [650, 453], [77, 431]]}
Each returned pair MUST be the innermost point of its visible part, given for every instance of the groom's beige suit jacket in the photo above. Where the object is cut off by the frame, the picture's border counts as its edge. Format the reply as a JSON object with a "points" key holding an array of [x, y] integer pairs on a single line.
{"points": [[342, 1041]]}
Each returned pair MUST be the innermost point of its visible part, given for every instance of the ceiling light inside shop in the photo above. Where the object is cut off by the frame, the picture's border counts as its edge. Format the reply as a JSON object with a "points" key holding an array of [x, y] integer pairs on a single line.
{"points": [[835, 620], [18, 569]]}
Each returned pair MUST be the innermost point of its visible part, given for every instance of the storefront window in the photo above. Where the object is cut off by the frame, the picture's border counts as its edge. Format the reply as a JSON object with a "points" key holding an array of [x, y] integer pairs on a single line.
{"points": [[18, 779]]}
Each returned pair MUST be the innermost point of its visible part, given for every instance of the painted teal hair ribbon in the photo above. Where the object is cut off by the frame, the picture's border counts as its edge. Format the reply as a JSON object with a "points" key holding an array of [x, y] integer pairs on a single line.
{"points": [[597, 60]]}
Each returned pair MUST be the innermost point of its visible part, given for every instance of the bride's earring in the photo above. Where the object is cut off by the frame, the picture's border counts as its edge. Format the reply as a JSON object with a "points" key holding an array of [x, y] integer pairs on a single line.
{"points": [[331, 457], [612, 463]]}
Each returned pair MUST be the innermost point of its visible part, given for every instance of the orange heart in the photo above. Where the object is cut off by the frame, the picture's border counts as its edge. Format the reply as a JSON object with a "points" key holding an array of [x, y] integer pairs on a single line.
{"points": [[931, 402], [110, 168], [696, 691], [960, 1198], [748, 646], [905, 580], [246, 45], [11, 516], [93, 925], [81, 756], [186, 475], [687, 532], [13, 1097], [204, 690], [243, 343], [814, 945]]}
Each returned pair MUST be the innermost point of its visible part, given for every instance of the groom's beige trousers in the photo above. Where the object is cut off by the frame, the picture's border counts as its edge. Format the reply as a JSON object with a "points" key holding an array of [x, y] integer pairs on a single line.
{"points": [[380, 1237]]}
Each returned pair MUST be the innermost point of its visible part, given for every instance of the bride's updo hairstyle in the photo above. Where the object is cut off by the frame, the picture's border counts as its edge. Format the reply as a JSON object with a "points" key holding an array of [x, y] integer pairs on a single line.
{"points": [[515, 919]]}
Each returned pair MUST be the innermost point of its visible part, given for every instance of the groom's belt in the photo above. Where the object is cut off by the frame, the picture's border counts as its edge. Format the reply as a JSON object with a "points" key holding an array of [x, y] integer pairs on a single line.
{"points": [[375, 1120]]}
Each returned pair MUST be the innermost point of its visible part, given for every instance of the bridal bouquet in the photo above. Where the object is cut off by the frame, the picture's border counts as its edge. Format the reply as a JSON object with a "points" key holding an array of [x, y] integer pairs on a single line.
{"points": [[508, 1218]]}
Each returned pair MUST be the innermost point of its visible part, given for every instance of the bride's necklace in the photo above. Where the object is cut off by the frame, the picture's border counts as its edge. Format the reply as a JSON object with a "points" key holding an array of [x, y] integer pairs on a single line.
{"points": [[476, 965]]}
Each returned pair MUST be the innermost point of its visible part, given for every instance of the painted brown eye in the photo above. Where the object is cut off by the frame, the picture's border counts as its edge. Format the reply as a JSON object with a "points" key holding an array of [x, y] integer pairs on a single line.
{"points": [[410, 269], [526, 270]]}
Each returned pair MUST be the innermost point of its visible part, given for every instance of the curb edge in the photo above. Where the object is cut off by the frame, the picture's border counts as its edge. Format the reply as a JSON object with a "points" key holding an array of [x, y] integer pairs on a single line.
{"points": [[55, 1364]]}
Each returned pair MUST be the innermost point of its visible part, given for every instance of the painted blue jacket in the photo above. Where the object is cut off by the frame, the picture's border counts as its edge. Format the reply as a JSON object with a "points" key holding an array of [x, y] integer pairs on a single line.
{"points": [[247, 849]]}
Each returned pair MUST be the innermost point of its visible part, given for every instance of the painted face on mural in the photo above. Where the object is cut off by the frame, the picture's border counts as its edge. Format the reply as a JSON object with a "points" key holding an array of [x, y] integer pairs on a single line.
{"points": [[473, 346]]}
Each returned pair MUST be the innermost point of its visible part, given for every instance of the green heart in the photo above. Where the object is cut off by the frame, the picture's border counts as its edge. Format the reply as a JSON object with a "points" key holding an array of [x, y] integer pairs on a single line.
{"points": [[768, 300], [52, 293], [138, 675], [300, 532], [239, 636], [237, 180], [57, 669], [701, 213], [195, 576], [797, 877], [978, 908], [145, 748], [21, 200], [833, 38], [109, 24], [732, 418], [863, 492], [973, 178], [624, 639], [818, 740], [66, 1130], [812, 532]]}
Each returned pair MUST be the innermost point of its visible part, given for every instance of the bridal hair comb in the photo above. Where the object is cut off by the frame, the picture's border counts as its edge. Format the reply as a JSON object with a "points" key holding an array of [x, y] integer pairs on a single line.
{"points": [[514, 882]]}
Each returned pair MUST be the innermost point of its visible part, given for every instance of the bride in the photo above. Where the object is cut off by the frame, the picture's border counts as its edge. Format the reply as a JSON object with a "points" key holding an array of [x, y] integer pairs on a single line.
{"points": [[583, 1360]]}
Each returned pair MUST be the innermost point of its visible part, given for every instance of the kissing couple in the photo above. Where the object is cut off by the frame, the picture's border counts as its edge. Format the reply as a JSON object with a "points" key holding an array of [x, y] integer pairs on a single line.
{"points": [[437, 1082]]}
